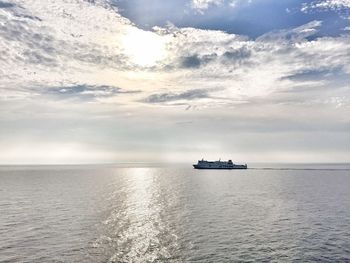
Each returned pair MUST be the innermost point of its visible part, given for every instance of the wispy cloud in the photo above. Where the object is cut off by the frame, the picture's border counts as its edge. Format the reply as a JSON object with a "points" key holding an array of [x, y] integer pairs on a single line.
{"points": [[6, 4], [62, 44], [86, 92], [323, 5], [45, 41], [202, 5], [189, 95]]}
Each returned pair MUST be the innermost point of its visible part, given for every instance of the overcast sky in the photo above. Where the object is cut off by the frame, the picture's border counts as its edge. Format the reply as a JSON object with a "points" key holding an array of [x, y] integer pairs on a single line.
{"points": [[174, 81]]}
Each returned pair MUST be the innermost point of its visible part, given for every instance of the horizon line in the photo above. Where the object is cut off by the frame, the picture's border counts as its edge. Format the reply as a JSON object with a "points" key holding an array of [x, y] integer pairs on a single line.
{"points": [[118, 163]]}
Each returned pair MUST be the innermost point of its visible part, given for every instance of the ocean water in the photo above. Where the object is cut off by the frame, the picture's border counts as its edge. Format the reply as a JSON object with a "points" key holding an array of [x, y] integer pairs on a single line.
{"points": [[174, 214]]}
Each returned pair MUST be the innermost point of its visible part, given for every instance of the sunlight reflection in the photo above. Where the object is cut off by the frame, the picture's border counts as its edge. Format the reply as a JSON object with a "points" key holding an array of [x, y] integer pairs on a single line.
{"points": [[139, 241]]}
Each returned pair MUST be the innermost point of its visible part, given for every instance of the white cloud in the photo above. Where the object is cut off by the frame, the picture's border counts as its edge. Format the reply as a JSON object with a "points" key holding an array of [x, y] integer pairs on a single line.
{"points": [[65, 43], [202, 5], [84, 43], [236, 64], [334, 5], [234, 3]]}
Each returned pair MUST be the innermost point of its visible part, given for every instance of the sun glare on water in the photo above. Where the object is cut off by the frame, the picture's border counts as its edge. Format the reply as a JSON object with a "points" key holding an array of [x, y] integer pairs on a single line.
{"points": [[144, 48]]}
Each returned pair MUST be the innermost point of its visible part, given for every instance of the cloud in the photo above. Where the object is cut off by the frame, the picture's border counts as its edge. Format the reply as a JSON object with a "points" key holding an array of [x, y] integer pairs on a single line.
{"points": [[314, 74], [6, 4], [65, 44], [43, 44], [292, 35], [324, 5], [201, 5], [214, 59], [204, 4], [86, 92], [232, 56], [191, 62], [189, 95], [238, 55], [195, 61]]}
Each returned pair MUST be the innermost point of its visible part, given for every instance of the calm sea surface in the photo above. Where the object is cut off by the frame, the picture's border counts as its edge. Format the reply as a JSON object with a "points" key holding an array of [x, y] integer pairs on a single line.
{"points": [[174, 214]]}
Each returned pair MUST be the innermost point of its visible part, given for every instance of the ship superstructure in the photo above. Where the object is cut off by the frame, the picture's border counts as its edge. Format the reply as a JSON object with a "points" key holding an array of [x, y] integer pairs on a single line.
{"points": [[203, 164]]}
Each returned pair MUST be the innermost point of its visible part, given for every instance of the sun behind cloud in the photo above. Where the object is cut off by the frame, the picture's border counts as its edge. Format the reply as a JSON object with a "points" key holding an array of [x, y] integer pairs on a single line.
{"points": [[144, 48]]}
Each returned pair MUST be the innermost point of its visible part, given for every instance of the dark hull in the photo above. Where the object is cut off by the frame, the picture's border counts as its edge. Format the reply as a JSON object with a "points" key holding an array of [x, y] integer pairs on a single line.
{"points": [[220, 168]]}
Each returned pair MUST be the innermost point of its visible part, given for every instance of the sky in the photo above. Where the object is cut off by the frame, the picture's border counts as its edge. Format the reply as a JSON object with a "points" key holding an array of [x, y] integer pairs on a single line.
{"points": [[108, 81]]}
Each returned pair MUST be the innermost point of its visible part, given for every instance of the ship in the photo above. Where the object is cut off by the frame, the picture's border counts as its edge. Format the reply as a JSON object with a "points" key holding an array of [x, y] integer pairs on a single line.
{"points": [[229, 165]]}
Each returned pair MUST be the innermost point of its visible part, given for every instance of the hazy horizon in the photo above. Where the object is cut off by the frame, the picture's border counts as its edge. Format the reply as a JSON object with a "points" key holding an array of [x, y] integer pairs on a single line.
{"points": [[254, 165]]}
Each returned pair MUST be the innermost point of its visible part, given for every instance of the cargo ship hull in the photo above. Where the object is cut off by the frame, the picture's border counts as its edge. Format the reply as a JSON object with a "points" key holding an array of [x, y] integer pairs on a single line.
{"points": [[220, 168]]}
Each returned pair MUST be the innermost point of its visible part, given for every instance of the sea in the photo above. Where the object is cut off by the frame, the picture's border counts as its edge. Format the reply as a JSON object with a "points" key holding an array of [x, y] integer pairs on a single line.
{"points": [[174, 213]]}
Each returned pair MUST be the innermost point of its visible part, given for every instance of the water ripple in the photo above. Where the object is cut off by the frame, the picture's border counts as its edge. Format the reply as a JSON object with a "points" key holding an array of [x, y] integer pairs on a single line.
{"points": [[114, 214]]}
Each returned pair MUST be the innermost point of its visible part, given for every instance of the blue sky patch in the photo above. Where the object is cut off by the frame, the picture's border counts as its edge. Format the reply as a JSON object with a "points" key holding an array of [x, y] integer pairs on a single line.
{"points": [[251, 18]]}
